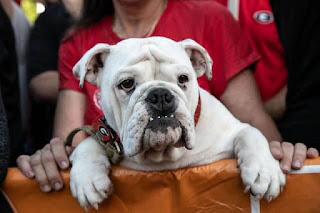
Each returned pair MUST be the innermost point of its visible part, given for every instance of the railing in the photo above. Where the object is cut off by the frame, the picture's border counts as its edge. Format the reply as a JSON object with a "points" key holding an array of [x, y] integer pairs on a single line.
{"points": [[216, 187]]}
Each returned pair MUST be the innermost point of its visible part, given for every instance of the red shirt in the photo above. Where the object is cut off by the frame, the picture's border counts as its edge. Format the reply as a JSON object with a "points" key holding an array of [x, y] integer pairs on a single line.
{"points": [[257, 21], [206, 22]]}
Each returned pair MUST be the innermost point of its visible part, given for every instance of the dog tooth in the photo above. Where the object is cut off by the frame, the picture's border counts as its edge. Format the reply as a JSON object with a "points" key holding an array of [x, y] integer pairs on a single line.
{"points": [[151, 119], [172, 116], [159, 117], [165, 116]]}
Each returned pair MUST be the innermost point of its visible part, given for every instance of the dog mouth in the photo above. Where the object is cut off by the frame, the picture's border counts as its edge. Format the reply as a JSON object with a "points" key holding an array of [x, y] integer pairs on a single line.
{"points": [[163, 131], [148, 129], [162, 122]]}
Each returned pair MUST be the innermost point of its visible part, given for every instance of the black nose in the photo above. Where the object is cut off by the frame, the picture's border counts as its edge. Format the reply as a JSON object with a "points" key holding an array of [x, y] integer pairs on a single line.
{"points": [[161, 100]]}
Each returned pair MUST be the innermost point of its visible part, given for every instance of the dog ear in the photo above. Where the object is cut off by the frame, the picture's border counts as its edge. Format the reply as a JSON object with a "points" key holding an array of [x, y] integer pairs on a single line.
{"points": [[89, 67], [200, 59]]}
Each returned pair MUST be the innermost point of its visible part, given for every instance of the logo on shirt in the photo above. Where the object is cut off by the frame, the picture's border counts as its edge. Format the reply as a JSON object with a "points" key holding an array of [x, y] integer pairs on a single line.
{"points": [[263, 17]]}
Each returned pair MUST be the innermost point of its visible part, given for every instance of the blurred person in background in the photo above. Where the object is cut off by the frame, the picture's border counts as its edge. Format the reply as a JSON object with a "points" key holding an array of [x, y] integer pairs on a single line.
{"points": [[21, 29], [9, 80], [4, 142], [257, 22], [4, 155], [47, 33], [298, 23], [270, 72]]}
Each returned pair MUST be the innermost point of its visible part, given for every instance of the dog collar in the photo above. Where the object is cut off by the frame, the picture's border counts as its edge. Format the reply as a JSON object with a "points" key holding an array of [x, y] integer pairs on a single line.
{"points": [[105, 135], [109, 139], [197, 112]]}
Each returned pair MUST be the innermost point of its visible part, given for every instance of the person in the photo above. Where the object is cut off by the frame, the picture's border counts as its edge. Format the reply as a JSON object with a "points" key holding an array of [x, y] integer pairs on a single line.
{"points": [[261, 27], [21, 28], [270, 72], [9, 81], [42, 62], [299, 29], [110, 22], [4, 142], [4, 154]]}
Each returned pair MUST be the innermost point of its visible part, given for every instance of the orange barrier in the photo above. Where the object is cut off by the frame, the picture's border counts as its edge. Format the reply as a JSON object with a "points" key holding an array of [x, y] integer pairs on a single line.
{"points": [[216, 187]]}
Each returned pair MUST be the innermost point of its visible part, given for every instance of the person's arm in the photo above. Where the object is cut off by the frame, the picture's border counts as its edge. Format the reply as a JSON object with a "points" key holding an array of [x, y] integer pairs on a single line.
{"points": [[242, 98], [42, 54], [44, 87], [276, 106], [70, 111], [43, 164], [69, 115]]}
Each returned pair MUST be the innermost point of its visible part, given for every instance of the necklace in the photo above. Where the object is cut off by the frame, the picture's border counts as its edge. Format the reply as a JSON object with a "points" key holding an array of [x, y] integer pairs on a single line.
{"points": [[149, 32]]}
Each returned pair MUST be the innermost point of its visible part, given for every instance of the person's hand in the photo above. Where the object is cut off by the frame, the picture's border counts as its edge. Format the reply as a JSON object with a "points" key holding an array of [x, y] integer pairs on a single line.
{"points": [[291, 156], [45, 163]]}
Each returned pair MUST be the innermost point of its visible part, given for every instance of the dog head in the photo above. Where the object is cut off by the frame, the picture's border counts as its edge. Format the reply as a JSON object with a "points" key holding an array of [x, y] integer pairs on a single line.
{"points": [[149, 92]]}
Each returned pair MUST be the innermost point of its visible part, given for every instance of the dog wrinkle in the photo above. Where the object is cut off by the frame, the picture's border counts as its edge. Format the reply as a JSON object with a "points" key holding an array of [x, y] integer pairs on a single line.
{"points": [[159, 55], [187, 125], [135, 129]]}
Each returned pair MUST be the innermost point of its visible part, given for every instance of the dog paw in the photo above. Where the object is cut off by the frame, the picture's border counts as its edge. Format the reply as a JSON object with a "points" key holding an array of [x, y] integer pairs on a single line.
{"points": [[90, 184], [262, 177]]}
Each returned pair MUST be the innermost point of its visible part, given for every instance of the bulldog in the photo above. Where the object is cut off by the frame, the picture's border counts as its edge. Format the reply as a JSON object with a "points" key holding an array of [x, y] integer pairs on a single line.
{"points": [[151, 99]]}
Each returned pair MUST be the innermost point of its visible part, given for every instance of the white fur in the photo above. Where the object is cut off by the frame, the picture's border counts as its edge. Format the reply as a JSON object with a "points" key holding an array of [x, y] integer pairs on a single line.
{"points": [[156, 63]]}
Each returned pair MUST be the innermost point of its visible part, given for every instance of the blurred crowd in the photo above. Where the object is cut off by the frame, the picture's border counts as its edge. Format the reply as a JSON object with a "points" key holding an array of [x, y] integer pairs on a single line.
{"points": [[285, 34], [29, 78]]}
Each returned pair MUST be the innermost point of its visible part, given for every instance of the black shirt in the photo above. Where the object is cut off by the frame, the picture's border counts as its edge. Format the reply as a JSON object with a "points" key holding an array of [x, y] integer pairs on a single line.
{"points": [[298, 24], [9, 84], [45, 37]]}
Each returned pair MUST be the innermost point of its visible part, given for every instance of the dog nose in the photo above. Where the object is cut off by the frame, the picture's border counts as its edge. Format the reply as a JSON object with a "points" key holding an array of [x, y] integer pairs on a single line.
{"points": [[161, 100]]}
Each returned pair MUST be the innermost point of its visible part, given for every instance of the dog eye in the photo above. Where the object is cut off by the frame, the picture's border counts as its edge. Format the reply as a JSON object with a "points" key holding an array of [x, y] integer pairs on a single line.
{"points": [[127, 85], [183, 79]]}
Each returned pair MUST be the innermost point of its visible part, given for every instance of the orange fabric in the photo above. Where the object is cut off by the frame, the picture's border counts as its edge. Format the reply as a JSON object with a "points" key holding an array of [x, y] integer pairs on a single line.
{"points": [[215, 187]]}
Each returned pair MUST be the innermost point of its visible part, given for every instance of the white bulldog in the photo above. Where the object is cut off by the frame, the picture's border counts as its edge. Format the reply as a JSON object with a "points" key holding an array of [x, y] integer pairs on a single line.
{"points": [[151, 99]]}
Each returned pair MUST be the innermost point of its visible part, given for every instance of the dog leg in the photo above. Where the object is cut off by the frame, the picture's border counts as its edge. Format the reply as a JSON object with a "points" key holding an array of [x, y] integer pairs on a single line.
{"points": [[260, 172], [89, 180]]}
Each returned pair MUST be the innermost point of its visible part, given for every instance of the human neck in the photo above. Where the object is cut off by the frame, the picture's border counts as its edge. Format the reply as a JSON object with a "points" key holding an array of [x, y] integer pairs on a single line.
{"points": [[137, 19]]}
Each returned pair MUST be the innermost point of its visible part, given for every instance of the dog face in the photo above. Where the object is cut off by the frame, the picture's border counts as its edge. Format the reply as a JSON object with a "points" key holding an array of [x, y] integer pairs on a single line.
{"points": [[149, 92]]}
